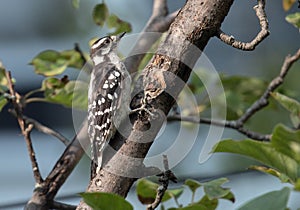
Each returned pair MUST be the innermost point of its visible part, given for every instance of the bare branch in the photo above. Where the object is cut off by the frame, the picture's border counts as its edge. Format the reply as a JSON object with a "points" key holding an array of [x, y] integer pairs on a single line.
{"points": [[159, 21], [44, 129], [62, 206], [256, 106], [43, 197], [222, 123], [275, 83], [165, 177], [25, 128], [264, 32]]}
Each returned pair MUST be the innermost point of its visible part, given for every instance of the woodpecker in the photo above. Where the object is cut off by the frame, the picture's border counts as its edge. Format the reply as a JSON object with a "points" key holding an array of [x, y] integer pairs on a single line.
{"points": [[108, 96]]}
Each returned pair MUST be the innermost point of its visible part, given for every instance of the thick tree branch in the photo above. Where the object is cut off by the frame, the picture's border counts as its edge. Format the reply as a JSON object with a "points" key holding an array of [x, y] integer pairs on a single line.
{"points": [[195, 24], [264, 32], [262, 102]]}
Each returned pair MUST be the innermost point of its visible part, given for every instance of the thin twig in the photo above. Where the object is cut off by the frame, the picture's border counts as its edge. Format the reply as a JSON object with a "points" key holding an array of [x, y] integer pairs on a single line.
{"points": [[264, 32], [62, 206], [44, 129], [26, 130], [262, 102], [165, 177], [159, 21], [88, 67], [222, 123], [275, 83]]}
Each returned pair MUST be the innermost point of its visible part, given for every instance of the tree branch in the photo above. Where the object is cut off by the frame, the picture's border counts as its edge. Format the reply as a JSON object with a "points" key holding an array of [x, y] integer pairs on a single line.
{"points": [[255, 107], [62, 206], [176, 55], [275, 83], [43, 197], [44, 129], [264, 32], [159, 21], [25, 128], [165, 177]]}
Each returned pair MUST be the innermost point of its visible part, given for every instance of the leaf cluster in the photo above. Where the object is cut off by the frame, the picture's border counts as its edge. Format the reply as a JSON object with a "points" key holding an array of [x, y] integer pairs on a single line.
{"points": [[213, 191]]}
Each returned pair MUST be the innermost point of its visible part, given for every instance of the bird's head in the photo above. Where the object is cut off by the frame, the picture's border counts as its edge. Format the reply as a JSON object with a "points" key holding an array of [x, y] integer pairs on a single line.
{"points": [[105, 45]]}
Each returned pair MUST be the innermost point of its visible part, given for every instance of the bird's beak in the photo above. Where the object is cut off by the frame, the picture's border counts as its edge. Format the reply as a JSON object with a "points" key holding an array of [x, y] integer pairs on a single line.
{"points": [[120, 36]]}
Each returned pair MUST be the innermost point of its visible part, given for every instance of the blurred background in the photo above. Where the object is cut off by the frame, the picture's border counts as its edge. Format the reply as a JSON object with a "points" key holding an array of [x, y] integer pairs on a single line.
{"points": [[29, 27]]}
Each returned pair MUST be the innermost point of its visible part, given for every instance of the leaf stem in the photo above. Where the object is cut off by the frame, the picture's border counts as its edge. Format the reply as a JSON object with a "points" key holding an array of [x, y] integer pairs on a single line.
{"points": [[30, 100], [32, 92]]}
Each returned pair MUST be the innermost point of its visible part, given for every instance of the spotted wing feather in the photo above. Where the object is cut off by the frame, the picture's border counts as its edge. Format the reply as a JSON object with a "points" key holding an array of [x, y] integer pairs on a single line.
{"points": [[103, 107]]}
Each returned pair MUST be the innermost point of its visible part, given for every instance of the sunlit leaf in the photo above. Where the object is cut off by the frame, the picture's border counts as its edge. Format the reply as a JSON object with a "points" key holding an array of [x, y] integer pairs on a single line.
{"points": [[146, 192], [291, 105], [297, 185], [276, 200], [75, 3], [119, 25], [3, 102], [100, 14], [67, 93], [287, 142], [294, 19], [3, 80], [214, 190], [105, 201], [210, 204], [272, 172], [192, 207], [192, 184], [263, 152], [51, 63], [240, 93], [287, 4]]}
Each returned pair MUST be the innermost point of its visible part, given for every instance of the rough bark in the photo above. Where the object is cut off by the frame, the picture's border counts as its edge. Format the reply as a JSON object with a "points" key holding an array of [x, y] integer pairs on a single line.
{"points": [[196, 23]]}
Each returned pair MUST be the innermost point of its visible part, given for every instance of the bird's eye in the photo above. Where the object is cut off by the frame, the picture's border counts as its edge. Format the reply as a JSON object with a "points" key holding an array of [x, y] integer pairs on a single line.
{"points": [[107, 41]]}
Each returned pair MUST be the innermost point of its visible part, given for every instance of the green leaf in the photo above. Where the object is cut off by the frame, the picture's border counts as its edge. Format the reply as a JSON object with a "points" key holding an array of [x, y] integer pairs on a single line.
{"points": [[276, 200], [65, 92], [272, 172], [51, 63], [287, 142], [75, 3], [294, 19], [100, 14], [3, 102], [146, 192], [106, 201], [119, 25], [263, 152], [240, 93], [297, 185], [287, 4], [3, 80], [191, 207], [291, 105], [192, 184], [210, 204], [213, 188]]}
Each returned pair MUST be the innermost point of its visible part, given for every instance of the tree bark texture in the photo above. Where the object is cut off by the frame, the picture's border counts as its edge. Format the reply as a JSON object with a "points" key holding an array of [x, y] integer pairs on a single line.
{"points": [[195, 24]]}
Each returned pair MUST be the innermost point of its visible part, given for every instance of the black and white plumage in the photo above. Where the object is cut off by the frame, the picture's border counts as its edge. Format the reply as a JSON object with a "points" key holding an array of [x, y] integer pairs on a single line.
{"points": [[108, 96]]}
